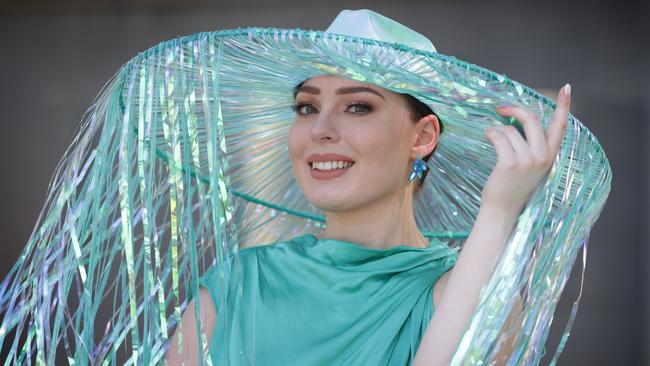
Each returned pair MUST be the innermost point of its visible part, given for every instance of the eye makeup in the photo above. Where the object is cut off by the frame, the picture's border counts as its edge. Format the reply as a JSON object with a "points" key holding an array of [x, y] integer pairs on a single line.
{"points": [[365, 107]]}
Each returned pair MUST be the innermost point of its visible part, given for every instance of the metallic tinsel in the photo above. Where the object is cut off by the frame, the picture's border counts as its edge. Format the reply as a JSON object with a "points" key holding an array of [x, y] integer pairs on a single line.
{"points": [[182, 159]]}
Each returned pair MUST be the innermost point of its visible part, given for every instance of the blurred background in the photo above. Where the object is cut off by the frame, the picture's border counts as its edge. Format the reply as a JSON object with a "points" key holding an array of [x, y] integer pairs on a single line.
{"points": [[57, 54]]}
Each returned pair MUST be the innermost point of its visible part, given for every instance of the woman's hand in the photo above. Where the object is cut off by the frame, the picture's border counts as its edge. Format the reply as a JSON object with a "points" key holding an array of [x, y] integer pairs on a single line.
{"points": [[522, 163]]}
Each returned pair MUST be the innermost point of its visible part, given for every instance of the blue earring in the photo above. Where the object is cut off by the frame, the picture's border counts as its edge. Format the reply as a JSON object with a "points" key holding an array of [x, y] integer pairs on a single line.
{"points": [[419, 166]]}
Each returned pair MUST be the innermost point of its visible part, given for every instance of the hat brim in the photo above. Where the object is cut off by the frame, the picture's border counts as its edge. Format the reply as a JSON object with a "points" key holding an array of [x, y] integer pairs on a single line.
{"points": [[245, 91], [183, 157], [245, 78]]}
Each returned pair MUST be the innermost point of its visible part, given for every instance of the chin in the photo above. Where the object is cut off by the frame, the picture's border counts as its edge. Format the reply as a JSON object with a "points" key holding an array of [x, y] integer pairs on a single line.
{"points": [[330, 206], [334, 201]]}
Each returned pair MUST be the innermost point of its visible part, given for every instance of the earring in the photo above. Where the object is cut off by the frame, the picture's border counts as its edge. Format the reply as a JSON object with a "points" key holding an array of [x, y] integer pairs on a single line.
{"points": [[419, 166]]}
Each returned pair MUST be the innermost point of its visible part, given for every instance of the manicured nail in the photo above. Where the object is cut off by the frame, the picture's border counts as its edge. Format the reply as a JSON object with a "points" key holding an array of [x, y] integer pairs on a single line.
{"points": [[567, 89]]}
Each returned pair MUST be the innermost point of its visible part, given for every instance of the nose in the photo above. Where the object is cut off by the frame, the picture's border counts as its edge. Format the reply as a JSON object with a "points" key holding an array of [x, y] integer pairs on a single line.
{"points": [[324, 128]]}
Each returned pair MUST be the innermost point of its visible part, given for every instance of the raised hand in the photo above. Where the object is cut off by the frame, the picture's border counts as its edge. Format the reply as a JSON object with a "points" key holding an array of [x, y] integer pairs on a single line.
{"points": [[522, 163]]}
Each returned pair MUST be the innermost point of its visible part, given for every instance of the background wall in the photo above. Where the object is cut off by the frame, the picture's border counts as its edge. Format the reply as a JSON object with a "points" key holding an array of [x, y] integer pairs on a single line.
{"points": [[56, 56]]}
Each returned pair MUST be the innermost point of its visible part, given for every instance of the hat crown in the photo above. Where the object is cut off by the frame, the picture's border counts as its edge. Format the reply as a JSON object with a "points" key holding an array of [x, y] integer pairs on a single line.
{"points": [[366, 23]]}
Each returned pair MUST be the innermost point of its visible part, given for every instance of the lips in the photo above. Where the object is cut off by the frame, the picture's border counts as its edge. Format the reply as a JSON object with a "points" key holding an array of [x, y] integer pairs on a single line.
{"points": [[327, 174], [327, 157]]}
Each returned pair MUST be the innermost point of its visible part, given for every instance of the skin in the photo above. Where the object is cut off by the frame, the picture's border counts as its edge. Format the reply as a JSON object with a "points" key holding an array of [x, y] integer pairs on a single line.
{"points": [[372, 203], [188, 353]]}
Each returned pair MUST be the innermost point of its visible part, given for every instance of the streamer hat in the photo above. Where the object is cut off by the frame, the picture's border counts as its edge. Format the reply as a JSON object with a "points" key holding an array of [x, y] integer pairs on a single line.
{"points": [[183, 156], [260, 67]]}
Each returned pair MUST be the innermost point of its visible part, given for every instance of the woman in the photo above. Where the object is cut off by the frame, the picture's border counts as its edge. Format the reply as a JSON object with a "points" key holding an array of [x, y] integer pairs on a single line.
{"points": [[184, 160], [368, 200]]}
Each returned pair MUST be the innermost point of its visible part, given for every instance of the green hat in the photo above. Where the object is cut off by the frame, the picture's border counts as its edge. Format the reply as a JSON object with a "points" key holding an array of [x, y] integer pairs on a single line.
{"points": [[182, 158]]}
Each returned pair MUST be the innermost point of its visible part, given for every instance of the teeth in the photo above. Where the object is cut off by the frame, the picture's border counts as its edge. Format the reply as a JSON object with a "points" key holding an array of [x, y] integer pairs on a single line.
{"points": [[330, 165]]}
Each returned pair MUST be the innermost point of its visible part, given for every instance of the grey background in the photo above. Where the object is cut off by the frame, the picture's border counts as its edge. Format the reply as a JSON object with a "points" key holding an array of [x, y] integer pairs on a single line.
{"points": [[56, 56]]}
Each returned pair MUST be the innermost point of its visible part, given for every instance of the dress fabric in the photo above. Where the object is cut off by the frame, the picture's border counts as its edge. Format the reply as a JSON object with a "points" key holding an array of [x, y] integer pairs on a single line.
{"points": [[310, 301]]}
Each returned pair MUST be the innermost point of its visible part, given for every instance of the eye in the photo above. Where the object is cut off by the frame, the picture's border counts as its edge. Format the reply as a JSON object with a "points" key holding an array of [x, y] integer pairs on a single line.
{"points": [[360, 108], [302, 108]]}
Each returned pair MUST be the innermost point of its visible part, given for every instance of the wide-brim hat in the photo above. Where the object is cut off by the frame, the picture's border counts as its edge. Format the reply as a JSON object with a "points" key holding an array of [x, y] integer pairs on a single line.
{"points": [[182, 159]]}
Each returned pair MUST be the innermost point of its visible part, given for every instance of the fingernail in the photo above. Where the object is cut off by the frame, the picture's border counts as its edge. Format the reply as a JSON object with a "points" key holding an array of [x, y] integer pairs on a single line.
{"points": [[567, 89]]}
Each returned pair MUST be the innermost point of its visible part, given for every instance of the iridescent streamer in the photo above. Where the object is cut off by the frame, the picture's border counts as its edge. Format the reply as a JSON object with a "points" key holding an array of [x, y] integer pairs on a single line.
{"points": [[182, 160]]}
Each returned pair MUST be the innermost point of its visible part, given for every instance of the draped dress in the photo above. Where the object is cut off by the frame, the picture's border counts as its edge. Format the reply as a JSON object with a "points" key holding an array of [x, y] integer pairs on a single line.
{"points": [[310, 301]]}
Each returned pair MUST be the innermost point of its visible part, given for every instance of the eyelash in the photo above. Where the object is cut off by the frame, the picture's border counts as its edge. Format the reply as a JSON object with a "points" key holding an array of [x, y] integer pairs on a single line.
{"points": [[296, 107]]}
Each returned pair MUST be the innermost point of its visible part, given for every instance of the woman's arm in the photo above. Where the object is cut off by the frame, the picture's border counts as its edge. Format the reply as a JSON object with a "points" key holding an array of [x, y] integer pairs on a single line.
{"points": [[520, 166], [190, 353], [461, 294]]}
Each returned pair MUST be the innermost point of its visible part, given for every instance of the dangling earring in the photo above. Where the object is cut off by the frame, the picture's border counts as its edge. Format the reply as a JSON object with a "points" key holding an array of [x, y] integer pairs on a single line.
{"points": [[419, 166]]}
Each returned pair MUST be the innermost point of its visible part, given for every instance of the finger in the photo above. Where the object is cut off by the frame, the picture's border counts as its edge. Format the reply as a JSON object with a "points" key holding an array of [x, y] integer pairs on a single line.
{"points": [[505, 152], [519, 145], [532, 127], [557, 129]]}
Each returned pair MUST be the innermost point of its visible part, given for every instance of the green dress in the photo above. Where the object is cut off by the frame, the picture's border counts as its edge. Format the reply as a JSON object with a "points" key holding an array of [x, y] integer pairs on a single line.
{"points": [[310, 301]]}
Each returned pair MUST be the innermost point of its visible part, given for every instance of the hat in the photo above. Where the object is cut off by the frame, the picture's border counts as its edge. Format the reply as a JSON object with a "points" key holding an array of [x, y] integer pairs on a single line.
{"points": [[182, 159]]}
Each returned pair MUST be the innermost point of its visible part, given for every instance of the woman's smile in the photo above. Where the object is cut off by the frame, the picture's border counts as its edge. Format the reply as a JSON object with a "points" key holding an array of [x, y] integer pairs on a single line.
{"points": [[329, 169], [328, 166]]}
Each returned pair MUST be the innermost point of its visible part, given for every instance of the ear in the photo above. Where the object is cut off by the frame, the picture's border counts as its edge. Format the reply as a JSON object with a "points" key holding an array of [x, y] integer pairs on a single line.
{"points": [[428, 131]]}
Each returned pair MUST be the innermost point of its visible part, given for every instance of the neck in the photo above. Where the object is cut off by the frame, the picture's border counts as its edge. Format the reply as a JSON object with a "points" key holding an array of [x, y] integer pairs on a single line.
{"points": [[384, 223]]}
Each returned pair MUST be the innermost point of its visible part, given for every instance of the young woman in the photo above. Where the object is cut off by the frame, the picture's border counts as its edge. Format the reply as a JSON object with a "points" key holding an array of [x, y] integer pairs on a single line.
{"points": [[191, 156], [352, 147]]}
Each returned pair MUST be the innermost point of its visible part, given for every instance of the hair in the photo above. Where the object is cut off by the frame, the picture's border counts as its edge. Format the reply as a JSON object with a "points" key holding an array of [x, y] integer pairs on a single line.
{"points": [[417, 110]]}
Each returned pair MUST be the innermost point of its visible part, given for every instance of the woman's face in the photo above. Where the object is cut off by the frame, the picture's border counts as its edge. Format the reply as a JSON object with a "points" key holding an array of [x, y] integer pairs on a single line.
{"points": [[362, 123]]}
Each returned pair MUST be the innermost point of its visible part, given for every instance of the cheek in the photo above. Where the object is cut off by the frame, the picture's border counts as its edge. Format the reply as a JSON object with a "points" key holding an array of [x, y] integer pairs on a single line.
{"points": [[382, 146], [388, 159], [296, 142]]}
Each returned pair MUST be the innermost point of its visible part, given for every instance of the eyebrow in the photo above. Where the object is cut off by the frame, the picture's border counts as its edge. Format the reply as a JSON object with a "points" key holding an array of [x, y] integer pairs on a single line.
{"points": [[340, 91]]}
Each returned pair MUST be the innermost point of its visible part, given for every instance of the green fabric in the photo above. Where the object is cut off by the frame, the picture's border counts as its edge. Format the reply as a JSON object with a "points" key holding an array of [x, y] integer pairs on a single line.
{"points": [[329, 302]]}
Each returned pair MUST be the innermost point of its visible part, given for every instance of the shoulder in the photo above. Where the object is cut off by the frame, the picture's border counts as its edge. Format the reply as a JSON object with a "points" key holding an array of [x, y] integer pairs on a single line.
{"points": [[188, 325], [206, 306], [207, 313]]}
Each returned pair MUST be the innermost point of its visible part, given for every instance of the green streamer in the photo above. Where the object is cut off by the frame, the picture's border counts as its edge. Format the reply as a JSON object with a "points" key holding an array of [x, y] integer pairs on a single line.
{"points": [[181, 161]]}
